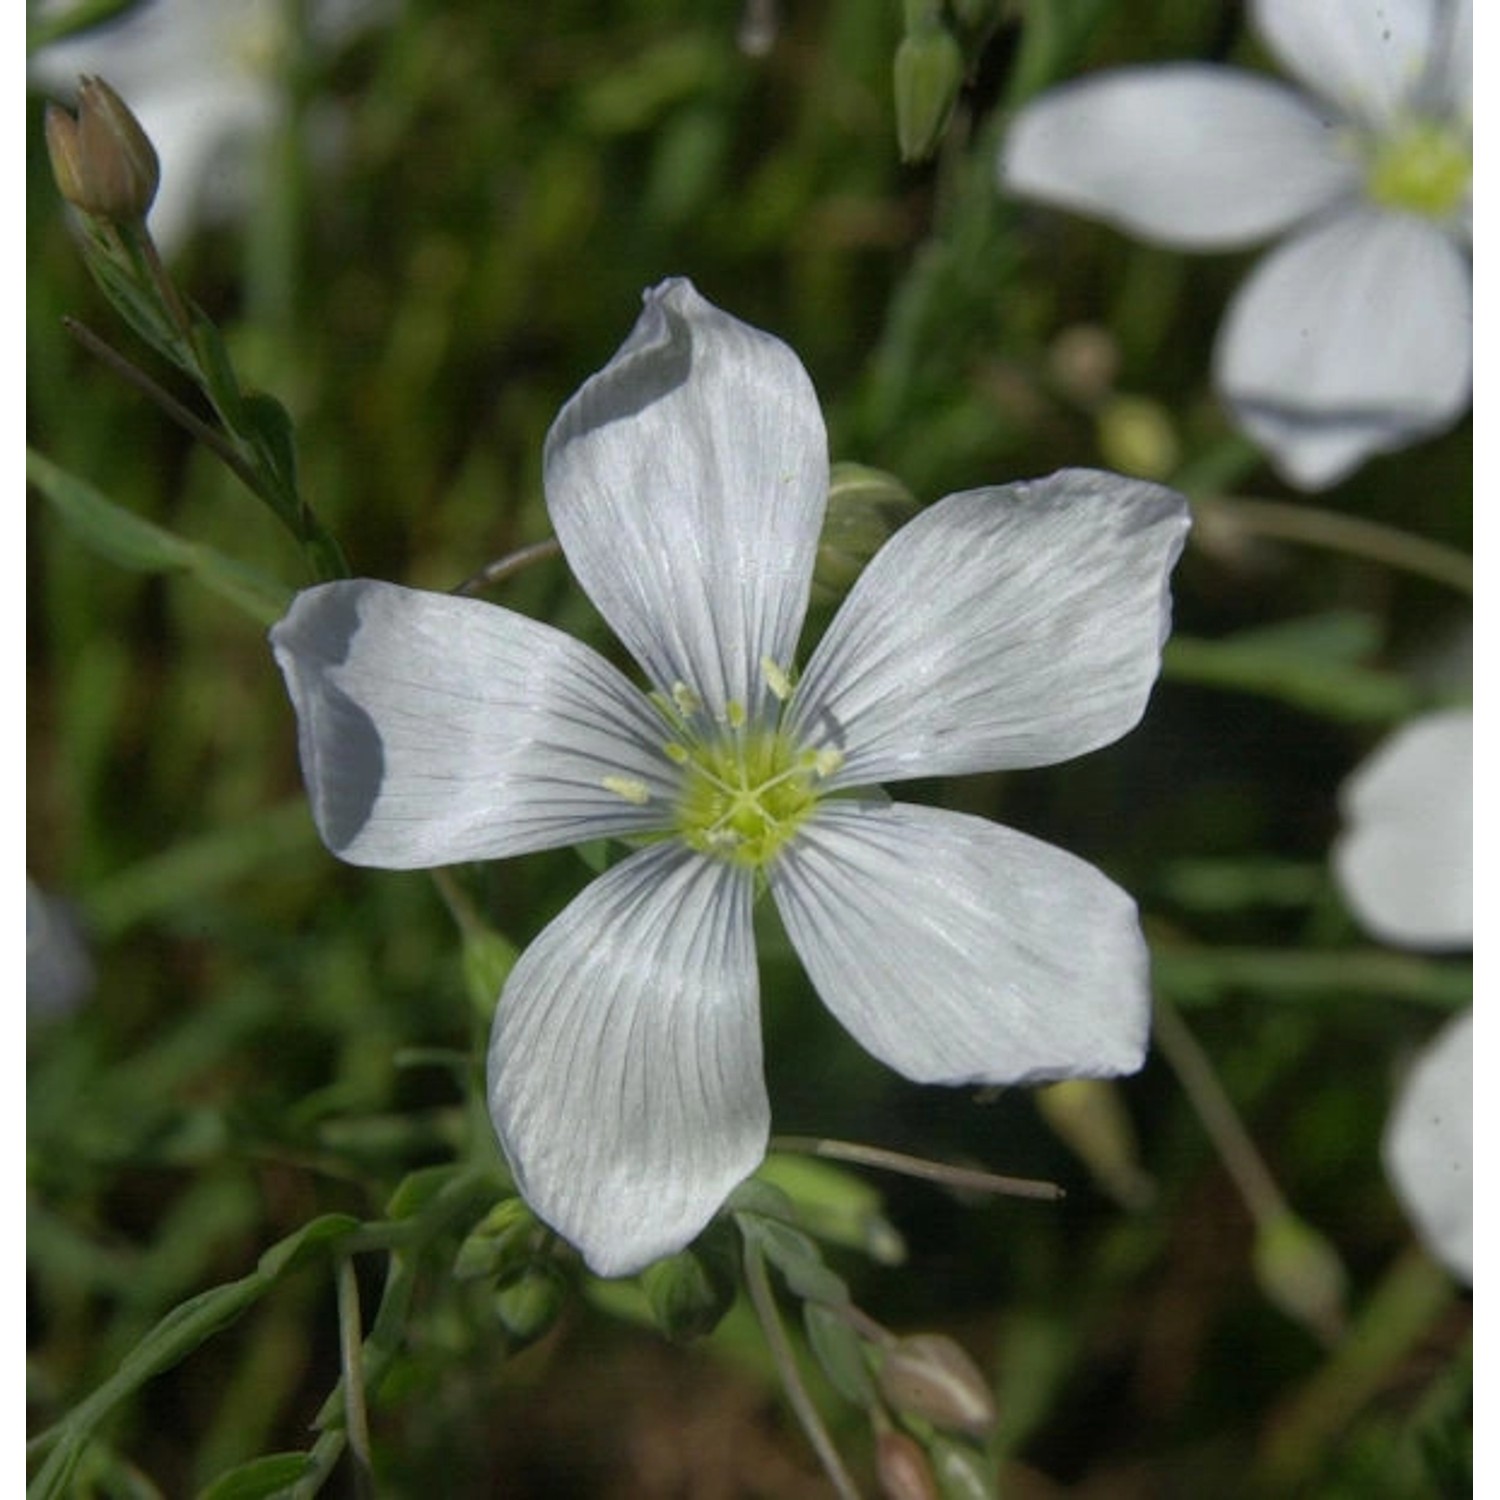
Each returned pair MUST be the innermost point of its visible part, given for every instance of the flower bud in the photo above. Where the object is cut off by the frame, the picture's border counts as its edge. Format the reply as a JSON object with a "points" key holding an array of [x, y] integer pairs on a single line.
{"points": [[501, 1244], [103, 161], [690, 1292], [866, 507], [529, 1305], [1136, 436], [963, 1471], [1083, 361], [902, 1468], [1088, 1115], [928, 1375], [1302, 1274], [929, 71]]}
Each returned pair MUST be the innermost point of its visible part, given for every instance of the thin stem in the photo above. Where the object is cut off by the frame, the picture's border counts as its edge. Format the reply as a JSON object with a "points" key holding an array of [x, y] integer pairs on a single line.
{"points": [[1217, 1113], [764, 1301], [210, 437], [967, 1178], [351, 1350], [1351, 535], [503, 567]]}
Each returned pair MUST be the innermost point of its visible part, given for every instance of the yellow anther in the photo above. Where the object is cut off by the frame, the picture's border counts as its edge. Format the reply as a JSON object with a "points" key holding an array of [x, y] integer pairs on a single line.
{"points": [[779, 682], [827, 761], [687, 701], [630, 788], [734, 714], [677, 754]]}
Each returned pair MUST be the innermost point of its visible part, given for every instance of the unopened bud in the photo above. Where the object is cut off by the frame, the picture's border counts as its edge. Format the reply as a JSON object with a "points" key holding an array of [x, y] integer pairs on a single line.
{"points": [[929, 71], [1136, 436], [1089, 1116], [501, 1244], [1083, 361], [103, 161], [963, 1471], [690, 1292], [928, 1375], [902, 1467], [866, 507], [1301, 1273], [529, 1305]]}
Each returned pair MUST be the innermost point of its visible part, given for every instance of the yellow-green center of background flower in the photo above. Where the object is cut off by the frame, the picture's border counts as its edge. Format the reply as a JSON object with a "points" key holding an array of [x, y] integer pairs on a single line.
{"points": [[1425, 168]]}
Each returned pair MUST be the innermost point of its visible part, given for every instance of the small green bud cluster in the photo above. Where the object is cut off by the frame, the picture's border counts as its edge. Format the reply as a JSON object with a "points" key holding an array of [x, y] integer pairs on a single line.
{"points": [[102, 160], [510, 1248]]}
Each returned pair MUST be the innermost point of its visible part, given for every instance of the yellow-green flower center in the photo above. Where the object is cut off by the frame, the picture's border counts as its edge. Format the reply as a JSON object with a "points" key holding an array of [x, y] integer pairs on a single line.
{"points": [[744, 795], [1423, 168]]}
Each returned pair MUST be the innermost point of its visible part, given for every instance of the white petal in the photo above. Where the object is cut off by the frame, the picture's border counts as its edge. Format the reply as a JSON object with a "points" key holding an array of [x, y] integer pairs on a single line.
{"points": [[1406, 860], [1188, 154], [436, 729], [687, 481], [625, 1072], [1429, 1146], [1366, 56], [1353, 338], [958, 951], [1001, 628]]}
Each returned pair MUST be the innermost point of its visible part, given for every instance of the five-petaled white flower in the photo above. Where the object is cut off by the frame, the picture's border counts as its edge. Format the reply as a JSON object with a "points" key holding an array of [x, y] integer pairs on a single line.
{"points": [[206, 79], [1002, 628], [1354, 336], [1405, 865]]}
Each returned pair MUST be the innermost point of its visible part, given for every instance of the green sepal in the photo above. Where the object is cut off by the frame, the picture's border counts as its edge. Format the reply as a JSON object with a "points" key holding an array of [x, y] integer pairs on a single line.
{"points": [[262, 1478]]}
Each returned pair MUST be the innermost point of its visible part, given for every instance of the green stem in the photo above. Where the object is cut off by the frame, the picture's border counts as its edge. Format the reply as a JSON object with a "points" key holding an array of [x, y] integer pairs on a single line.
{"points": [[351, 1351], [1217, 1113], [969, 1179], [1352, 535], [764, 1302]]}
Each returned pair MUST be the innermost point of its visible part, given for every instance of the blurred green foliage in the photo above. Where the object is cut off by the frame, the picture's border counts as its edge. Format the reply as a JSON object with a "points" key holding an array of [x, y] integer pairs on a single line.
{"points": [[277, 1043]]}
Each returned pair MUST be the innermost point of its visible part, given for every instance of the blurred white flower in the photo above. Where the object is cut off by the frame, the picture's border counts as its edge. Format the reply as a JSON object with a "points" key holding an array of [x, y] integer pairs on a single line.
{"points": [[1001, 628], [1405, 865], [1354, 336], [206, 79], [59, 970]]}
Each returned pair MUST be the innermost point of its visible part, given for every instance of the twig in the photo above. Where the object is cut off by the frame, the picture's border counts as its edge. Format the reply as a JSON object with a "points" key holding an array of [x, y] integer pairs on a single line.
{"points": [[968, 1178], [764, 1301]]}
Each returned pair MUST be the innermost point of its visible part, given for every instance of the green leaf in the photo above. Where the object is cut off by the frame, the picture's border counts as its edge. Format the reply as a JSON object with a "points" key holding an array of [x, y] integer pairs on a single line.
{"points": [[261, 1478], [132, 542], [797, 1258], [840, 1352], [175, 1336]]}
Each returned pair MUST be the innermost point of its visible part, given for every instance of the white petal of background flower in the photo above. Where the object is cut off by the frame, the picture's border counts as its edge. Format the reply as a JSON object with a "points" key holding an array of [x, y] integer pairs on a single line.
{"points": [[1429, 1145], [1190, 155], [1001, 628], [958, 951], [1405, 861], [436, 729], [1353, 338], [625, 1064], [686, 482], [1365, 56]]}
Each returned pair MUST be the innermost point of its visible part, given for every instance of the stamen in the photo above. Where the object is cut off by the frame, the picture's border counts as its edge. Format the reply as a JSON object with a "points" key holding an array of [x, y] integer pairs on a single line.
{"points": [[734, 713], [779, 682], [677, 754], [630, 788], [687, 701]]}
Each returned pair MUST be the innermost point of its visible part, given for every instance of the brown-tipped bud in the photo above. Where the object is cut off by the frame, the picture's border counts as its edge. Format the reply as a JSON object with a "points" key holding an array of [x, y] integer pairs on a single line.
{"points": [[903, 1469], [929, 71], [104, 163], [866, 507], [1083, 361], [1088, 1114], [1302, 1274], [927, 1375]]}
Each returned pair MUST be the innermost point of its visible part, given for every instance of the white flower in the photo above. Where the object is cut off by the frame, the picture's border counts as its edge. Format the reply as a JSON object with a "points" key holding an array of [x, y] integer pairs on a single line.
{"points": [[205, 78], [1002, 628], [1405, 865], [1354, 336]]}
